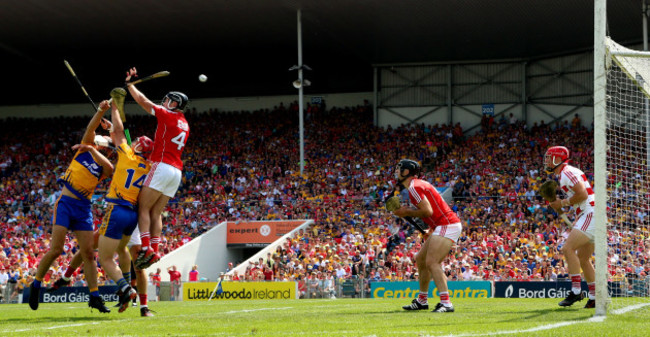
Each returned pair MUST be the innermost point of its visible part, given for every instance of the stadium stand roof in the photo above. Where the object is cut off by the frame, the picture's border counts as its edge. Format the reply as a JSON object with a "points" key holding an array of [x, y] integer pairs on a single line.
{"points": [[246, 47]]}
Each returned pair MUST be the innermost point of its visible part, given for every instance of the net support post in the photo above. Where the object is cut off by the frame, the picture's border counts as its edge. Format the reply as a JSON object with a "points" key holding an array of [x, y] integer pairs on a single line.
{"points": [[600, 156]]}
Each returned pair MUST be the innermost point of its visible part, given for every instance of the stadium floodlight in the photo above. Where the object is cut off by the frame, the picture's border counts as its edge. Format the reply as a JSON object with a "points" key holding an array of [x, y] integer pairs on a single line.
{"points": [[297, 83]]}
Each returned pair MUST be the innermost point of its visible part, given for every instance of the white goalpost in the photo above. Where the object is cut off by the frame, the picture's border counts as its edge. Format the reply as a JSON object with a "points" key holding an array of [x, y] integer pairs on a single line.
{"points": [[621, 172]]}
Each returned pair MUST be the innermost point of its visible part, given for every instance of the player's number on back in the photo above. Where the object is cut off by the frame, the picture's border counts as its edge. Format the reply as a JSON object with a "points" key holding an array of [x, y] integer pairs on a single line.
{"points": [[129, 179], [179, 140]]}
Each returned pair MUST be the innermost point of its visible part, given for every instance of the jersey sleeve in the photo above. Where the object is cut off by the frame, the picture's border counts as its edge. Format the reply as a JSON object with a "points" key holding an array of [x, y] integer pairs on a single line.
{"points": [[568, 179], [416, 193], [125, 150], [159, 111]]}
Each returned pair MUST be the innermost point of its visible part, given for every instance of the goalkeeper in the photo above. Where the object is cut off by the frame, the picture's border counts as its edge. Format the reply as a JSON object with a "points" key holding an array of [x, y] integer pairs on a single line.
{"points": [[444, 231], [579, 246]]}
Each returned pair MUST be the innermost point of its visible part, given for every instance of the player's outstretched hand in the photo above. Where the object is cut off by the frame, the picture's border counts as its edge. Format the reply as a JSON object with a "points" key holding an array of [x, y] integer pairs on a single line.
{"points": [[104, 105], [106, 124], [131, 74]]}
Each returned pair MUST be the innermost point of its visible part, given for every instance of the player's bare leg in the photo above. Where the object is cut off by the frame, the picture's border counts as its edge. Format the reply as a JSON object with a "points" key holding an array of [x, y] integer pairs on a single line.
{"points": [[86, 249], [421, 302], [124, 258], [107, 248], [156, 219], [585, 254], [141, 280], [75, 262], [438, 249], [151, 256], [575, 240], [124, 262], [56, 248], [146, 201]]}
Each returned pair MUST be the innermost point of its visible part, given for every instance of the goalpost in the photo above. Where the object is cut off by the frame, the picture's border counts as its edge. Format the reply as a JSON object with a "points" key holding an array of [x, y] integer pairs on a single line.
{"points": [[621, 172]]}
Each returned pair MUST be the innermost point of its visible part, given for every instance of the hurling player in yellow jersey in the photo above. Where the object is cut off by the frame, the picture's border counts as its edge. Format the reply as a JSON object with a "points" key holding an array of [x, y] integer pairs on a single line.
{"points": [[122, 214], [72, 211]]}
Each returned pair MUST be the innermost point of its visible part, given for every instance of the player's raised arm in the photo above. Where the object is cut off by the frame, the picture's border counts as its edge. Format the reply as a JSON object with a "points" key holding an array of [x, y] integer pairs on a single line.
{"points": [[138, 96], [107, 167], [89, 135], [117, 133]]}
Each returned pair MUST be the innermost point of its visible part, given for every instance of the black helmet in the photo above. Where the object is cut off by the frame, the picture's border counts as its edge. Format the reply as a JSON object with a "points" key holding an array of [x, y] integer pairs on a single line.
{"points": [[408, 164], [178, 97]]}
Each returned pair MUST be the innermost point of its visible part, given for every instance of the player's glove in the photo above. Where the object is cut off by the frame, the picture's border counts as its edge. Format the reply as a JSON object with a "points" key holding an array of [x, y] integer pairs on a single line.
{"points": [[392, 203], [548, 190]]}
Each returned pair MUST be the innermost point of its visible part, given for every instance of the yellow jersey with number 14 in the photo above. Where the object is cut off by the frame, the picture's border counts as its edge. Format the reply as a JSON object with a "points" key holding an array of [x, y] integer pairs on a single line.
{"points": [[129, 175]]}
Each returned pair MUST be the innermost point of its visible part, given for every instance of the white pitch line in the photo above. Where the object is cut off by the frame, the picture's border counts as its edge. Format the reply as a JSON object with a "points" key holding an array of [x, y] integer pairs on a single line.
{"points": [[630, 308], [595, 319], [251, 310], [51, 327]]}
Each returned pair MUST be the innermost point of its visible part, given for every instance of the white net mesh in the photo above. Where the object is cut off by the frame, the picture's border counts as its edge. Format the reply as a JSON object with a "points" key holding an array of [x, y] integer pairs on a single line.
{"points": [[628, 195]]}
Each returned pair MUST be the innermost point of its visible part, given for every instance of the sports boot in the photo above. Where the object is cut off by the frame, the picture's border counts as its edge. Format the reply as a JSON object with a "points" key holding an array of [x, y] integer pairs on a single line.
{"points": [[416, 305], [570, 299], [98, 303]]}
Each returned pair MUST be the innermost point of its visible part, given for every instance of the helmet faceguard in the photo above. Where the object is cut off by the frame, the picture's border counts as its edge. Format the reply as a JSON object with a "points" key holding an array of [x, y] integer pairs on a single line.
{"points": [[406, 164], [178, 97], [143, 145], [554, 157]]}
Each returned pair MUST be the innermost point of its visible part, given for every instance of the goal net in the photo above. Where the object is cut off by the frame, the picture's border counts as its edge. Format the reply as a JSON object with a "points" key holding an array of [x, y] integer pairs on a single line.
{"points": [[627, 114]]}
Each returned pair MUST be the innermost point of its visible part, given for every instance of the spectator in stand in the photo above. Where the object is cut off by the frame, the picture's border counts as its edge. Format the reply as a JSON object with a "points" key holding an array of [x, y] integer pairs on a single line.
{"points": [[175, 281], [4, 277], [194, 274], [155, 280]]}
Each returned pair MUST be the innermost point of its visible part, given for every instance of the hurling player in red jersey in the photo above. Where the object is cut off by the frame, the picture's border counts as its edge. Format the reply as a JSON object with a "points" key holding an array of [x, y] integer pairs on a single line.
{"points": [[444, 230], [165, 176]]}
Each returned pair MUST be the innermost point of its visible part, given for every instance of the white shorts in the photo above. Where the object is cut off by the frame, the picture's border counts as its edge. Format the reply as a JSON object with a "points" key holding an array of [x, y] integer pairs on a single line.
{"points": [[135, 238], [163, 178], [451, 232], [586, 224]]}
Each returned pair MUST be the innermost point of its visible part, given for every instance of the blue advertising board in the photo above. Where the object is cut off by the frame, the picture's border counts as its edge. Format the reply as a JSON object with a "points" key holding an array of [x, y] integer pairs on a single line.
{"points": [[73, 294], [534, 289], [410, 289], [560, 289]]}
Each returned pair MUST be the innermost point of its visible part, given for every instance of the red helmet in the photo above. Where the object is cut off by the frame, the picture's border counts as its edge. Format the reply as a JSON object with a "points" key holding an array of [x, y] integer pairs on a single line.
{"points": [[555, 156], [143, 145]]}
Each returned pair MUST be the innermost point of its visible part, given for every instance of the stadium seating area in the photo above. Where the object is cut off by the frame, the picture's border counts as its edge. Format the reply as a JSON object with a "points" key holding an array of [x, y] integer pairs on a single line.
{"points": [[245, 166]]}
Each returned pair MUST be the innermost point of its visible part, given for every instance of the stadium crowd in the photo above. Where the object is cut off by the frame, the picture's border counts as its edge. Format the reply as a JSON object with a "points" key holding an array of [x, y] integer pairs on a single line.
{"points": [[249, 170]]}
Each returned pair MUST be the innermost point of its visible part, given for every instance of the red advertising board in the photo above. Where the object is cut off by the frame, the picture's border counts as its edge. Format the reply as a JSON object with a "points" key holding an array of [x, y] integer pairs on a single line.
{"points": [[258, 233]]}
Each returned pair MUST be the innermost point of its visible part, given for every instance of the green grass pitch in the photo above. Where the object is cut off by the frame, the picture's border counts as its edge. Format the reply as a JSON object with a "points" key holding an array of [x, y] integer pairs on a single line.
{"points": [[340, 317]]}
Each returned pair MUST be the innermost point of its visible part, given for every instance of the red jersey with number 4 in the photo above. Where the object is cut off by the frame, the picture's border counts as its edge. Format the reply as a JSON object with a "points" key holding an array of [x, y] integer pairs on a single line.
{"points": [[442, 214], [171, 136]]}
